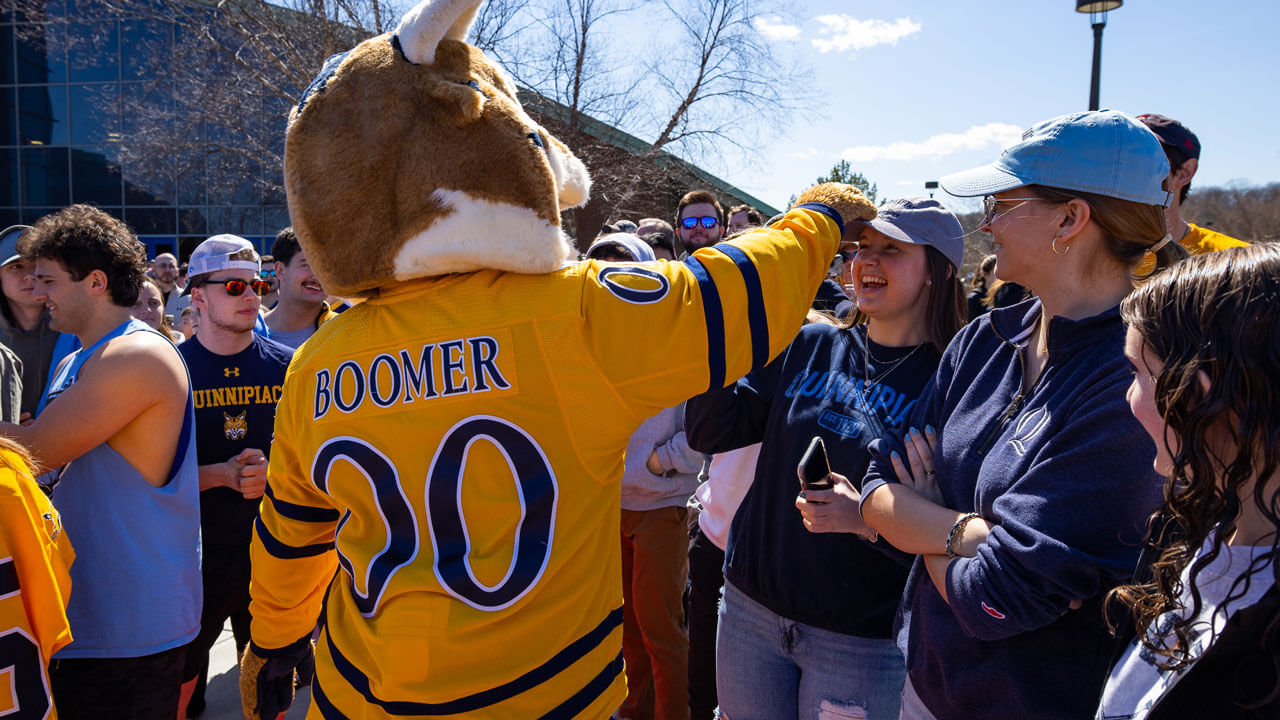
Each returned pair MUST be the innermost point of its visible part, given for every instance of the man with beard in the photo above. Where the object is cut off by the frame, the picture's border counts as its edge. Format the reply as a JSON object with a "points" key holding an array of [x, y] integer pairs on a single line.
{"points": [[699, 220], [164, 270], [302, 308], [236, 376]]}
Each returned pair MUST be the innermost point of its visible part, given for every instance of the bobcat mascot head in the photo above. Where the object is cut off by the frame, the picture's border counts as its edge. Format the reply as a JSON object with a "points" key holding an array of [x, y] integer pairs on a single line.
{"points": [[409, 156]]}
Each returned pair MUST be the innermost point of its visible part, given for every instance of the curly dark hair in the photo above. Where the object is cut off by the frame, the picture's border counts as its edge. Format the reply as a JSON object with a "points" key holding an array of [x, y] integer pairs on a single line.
{"points": [[82, 239], [1212, 314]]}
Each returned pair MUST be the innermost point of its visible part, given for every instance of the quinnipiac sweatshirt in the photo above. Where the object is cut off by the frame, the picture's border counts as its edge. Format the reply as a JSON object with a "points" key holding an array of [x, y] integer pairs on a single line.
{"points": [[1064, 475], [834, 581]]}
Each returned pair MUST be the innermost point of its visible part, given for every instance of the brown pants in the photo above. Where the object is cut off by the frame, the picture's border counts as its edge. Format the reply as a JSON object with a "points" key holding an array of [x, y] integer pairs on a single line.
{"points": [[655, 644]]}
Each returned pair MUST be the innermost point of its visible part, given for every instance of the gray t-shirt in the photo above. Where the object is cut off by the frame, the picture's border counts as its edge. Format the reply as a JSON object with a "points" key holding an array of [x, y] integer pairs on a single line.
{"points": [[10, 385], [35, 350], [293, 338]]}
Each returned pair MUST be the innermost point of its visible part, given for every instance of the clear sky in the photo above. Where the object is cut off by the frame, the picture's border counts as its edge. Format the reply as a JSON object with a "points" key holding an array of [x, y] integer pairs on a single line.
{"points": [[910, 90]]}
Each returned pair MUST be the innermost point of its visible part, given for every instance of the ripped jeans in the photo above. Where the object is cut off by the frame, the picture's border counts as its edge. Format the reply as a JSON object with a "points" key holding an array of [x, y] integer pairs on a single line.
{"points": [[772, 668]]}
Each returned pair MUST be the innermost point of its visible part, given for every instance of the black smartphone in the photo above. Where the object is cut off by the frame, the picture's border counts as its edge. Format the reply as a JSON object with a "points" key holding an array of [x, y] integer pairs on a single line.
{"points": [[815, 473]]}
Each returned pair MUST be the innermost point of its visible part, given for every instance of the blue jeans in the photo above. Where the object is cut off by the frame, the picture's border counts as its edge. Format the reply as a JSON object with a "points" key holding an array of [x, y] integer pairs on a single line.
{"points": [[772, 668]]}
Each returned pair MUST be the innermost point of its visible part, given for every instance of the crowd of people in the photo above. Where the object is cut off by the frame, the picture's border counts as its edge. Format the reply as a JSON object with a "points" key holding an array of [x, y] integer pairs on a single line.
{"points": [[1055, 497]]}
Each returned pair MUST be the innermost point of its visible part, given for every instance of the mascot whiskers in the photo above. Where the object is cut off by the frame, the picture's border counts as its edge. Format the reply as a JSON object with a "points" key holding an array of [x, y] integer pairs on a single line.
{"points": [[444, 481]]}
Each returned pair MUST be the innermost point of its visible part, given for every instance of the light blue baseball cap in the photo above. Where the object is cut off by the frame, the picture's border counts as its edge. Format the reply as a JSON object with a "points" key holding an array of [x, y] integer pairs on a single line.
{"points": [[1104, 152]]}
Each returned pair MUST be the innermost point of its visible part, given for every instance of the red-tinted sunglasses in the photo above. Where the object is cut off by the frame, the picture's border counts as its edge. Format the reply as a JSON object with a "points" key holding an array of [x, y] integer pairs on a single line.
{"points": [[235, 287]]}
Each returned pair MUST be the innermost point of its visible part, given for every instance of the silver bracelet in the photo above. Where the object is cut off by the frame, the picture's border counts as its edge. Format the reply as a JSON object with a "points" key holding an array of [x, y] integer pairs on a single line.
{"points": [[957, 530]]}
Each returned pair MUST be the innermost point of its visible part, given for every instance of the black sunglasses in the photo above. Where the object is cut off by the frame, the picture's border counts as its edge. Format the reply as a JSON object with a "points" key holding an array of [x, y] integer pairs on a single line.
{"points": [[707, 221], [235, 287]]}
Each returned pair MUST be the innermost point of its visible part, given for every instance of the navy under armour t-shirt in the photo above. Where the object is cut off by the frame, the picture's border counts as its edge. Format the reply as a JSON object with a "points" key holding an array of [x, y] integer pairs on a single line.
{"points": [[235, 398]]}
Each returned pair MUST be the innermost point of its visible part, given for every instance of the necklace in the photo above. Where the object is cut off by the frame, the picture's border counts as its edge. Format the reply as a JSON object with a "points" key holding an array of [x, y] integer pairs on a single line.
{"points": [[869, 383]]}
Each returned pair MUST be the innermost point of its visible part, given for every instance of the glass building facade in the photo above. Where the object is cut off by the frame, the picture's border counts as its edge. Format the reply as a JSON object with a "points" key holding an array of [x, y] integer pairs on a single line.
{"points": [[72, 85]]}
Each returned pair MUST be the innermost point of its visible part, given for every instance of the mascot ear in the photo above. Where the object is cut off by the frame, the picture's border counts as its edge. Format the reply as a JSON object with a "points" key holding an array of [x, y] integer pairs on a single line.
{"points": [[423, 27]]}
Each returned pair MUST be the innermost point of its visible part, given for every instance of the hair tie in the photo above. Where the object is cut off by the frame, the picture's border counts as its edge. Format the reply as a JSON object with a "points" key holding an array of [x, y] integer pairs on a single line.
{"points": [[1163, 241]]}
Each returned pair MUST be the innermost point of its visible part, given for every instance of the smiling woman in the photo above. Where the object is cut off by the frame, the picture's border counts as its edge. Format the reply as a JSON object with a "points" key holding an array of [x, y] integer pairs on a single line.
{"points": [[808, 572], [1028, 501]]}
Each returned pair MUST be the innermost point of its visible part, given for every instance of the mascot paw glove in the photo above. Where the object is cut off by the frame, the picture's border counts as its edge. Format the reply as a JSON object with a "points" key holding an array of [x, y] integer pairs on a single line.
{"points": [[266, 678], [846, 200]]}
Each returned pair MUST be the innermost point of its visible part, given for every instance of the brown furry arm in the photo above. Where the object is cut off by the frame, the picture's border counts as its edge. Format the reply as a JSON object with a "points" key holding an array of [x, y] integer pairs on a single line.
{"points": [[846, 200]]}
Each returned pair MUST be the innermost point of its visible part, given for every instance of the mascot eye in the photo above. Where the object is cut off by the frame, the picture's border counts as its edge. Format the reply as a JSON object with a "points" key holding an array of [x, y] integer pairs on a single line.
{"points": [[537, 140], [473, 85]]}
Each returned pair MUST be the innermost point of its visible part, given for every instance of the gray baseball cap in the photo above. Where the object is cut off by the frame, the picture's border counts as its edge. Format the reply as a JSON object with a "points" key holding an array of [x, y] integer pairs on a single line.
{"points": [[922, 221]]}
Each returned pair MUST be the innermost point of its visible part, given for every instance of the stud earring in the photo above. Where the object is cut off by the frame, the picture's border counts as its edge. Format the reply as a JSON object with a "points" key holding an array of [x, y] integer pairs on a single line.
{"points": [[928, 282]]}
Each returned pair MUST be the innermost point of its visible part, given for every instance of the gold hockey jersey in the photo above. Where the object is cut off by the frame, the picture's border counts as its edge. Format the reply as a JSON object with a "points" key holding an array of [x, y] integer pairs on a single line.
{"points": [[444, 480], [35, 583]]}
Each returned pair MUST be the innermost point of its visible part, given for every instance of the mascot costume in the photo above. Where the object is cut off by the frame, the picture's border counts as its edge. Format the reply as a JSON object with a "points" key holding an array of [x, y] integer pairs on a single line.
{"points": [[444, 482]]}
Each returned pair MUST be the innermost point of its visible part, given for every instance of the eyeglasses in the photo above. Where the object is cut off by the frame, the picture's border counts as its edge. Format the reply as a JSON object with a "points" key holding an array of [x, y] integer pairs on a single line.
{"points": [[707, 221], [235, 287], [990, 203]]}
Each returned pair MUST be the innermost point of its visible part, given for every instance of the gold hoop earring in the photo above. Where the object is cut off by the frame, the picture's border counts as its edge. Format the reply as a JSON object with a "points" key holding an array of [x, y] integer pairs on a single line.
{"points": [[1054, 246]]}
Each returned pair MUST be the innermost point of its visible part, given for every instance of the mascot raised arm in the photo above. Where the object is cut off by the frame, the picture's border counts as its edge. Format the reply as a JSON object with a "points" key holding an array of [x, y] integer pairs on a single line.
{"points": [[444, 482]]}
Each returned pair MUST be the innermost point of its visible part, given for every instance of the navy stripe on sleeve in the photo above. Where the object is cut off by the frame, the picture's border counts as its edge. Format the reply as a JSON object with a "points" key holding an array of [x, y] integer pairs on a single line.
{"points": [[287, 552], [825, 210], [571, 653], [715, 321], [8, 577], [301, 513], [756, 316]]}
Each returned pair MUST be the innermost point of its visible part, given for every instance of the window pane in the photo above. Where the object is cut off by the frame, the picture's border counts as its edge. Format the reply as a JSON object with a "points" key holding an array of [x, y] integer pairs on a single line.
{"points": [[95, 114], [148, 111], [7, 71], [151, 221], [233, 180], [191, 221], [94, 49], [8, 116], [42, 53], [45, 176], [149, 180], [190, 179], [42, 115], [9, 216], [275, 218], [243, 221], [145, 45], [9, 168], [95, 175], [31, 215]]}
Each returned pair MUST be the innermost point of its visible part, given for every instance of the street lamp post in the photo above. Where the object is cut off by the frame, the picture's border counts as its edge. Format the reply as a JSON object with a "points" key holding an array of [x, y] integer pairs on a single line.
{"points": [[1097, 10]]}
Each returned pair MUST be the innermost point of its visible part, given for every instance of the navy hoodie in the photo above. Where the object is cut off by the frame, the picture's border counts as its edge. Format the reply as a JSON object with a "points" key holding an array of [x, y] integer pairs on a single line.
{"points": [[1064, 475], [835, 581]]}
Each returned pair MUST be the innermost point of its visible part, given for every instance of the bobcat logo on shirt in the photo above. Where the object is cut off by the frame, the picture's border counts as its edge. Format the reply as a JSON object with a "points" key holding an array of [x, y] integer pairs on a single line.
{"points": [[235, 427], [52, 524], [1029, 426]]}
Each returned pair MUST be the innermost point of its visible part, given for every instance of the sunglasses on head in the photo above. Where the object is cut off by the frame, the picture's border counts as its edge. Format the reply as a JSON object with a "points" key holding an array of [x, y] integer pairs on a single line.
{"points": [[707, 221], [235, 287]]}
